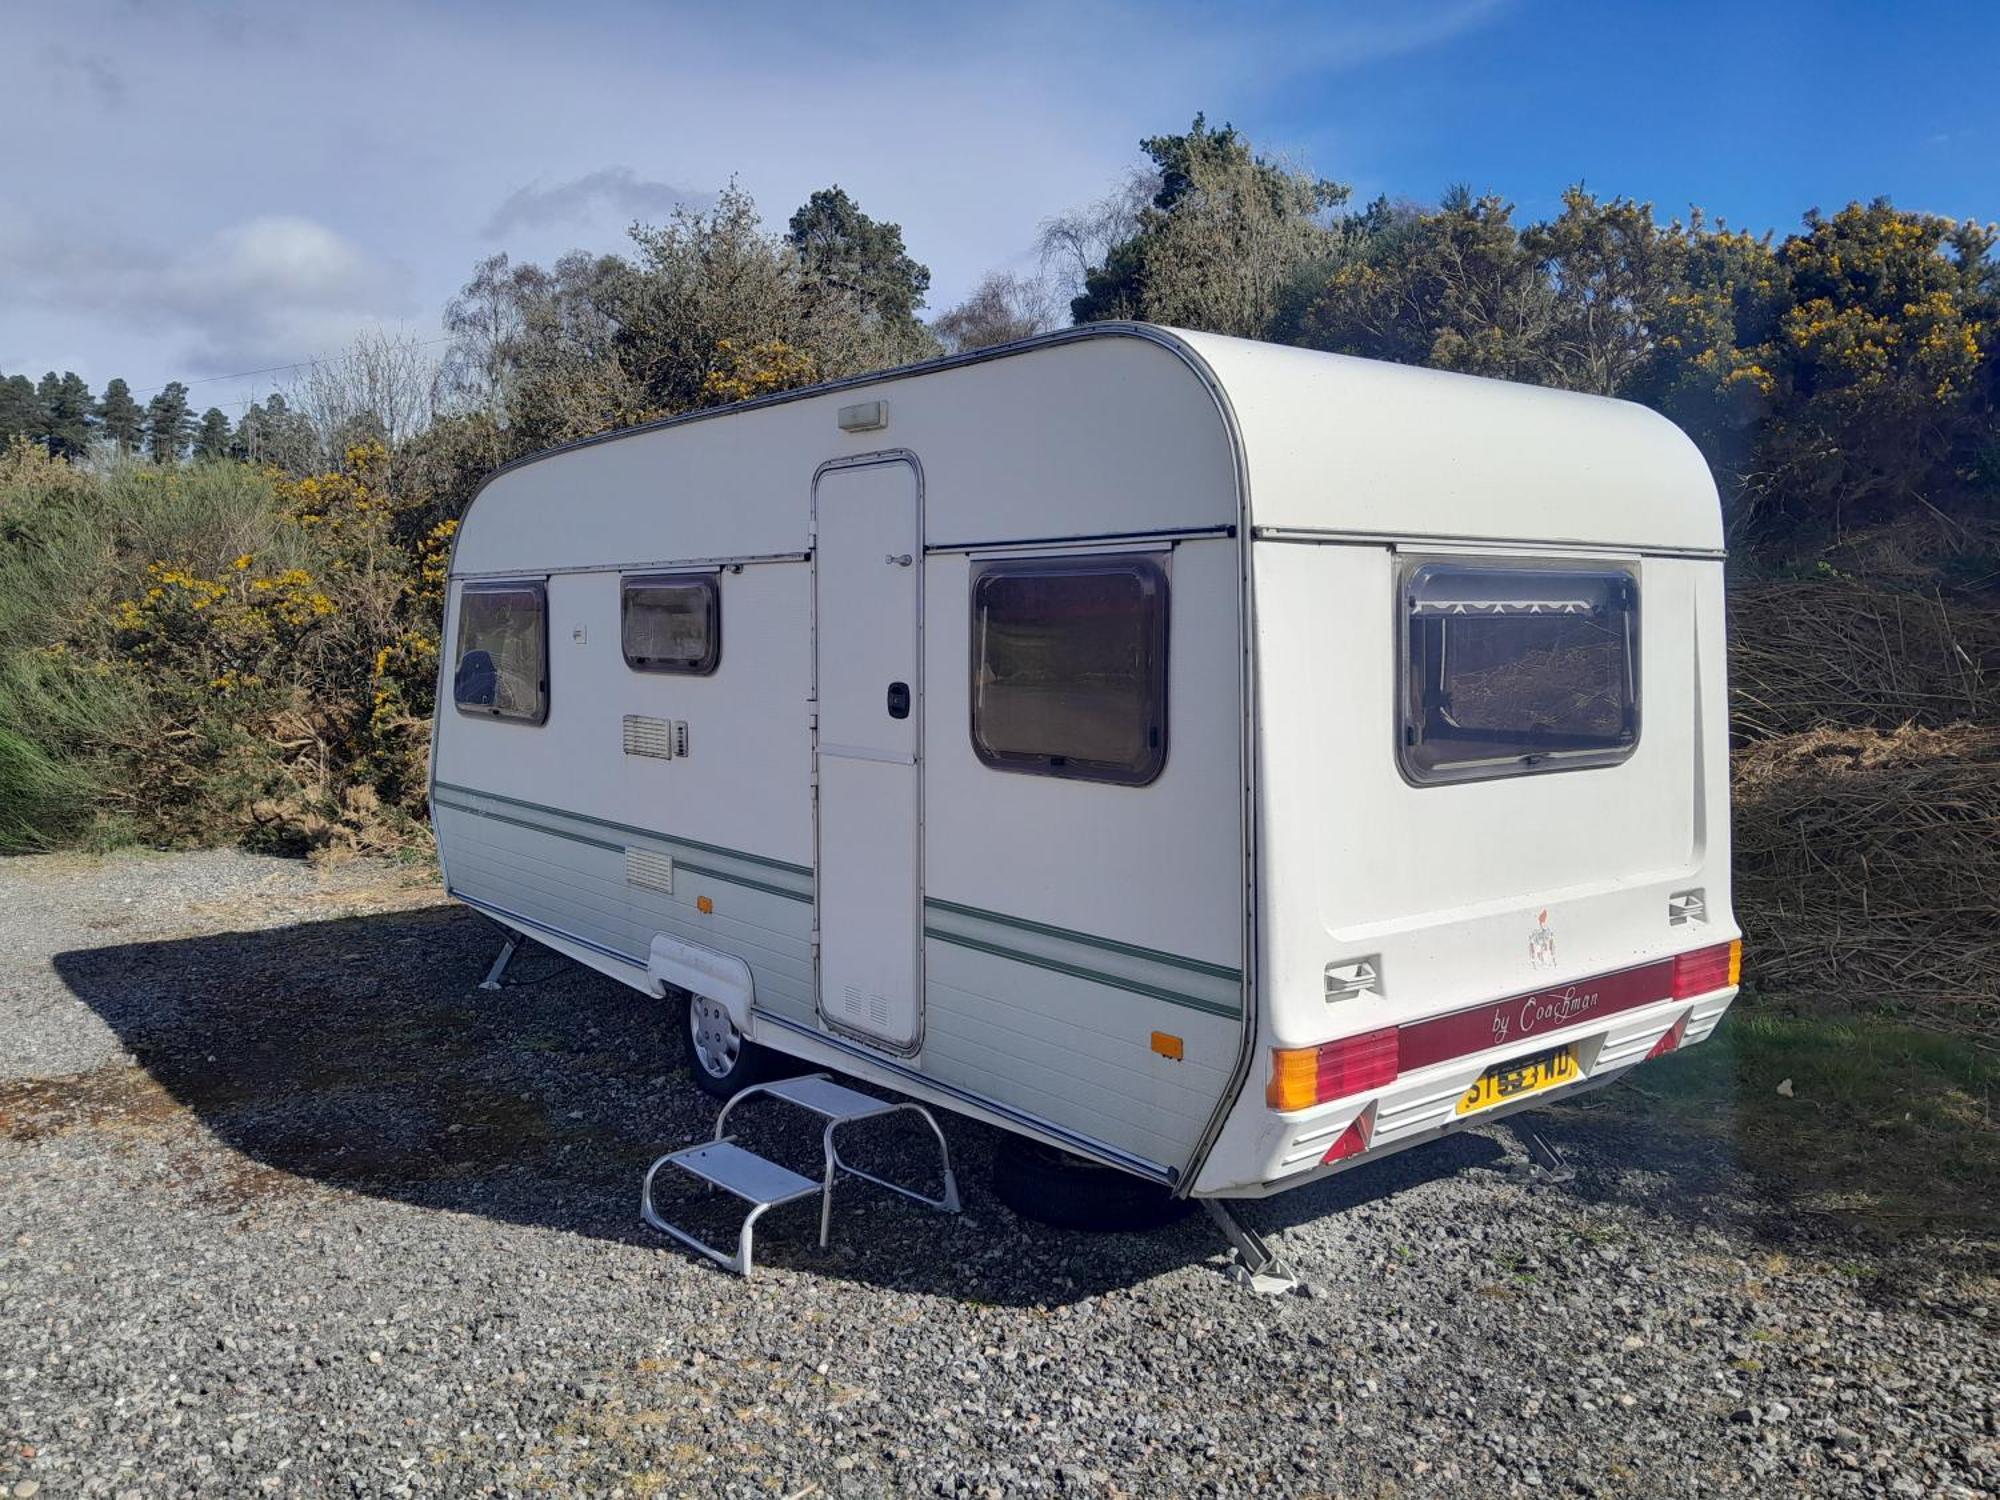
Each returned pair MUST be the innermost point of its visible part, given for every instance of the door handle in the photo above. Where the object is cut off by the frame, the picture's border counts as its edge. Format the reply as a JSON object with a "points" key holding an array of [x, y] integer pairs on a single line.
{"points": [[897, 559], [899, 700]]}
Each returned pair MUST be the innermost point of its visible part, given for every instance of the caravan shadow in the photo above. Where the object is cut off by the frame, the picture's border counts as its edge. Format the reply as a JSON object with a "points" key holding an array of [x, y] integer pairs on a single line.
{"points": [[360, 1053]]}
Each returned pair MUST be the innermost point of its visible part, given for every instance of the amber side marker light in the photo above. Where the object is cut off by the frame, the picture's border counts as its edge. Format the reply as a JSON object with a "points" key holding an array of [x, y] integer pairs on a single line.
{"points": [[1304, 1076], [1706, 970]]}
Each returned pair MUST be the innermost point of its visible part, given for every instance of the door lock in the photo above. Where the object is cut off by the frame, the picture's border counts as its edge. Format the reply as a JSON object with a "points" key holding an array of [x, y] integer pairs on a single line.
{"points": [[899, 700], [898, 559]]}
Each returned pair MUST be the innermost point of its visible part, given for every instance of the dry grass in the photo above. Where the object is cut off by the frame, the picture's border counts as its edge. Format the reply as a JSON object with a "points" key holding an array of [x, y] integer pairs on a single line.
{"points": [[1832, 652], [1867, 796], [1868, 867]]}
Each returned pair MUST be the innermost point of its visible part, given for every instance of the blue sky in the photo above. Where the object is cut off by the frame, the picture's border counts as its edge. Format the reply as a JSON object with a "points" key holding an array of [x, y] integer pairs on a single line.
{"points": [[1755, 111], [221, 187]]}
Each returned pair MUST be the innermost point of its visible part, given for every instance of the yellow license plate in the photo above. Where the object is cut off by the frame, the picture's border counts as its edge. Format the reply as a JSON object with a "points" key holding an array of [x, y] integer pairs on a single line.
{"points": [[1524, 1075]]}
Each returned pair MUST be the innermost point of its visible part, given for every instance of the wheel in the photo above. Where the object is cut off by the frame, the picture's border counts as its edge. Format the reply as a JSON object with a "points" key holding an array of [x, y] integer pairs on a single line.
{"points": [[1052, 1187], [721, 1061]]}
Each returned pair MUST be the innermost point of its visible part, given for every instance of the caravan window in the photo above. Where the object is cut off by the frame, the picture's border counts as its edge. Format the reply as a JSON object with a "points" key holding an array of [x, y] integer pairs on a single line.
{"points": [[1069, 667], [1509, 669], [503, 651], [672, 623]]}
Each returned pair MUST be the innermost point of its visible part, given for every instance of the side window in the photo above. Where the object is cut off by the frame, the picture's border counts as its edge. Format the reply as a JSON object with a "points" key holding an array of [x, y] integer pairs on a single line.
{"points": [[1069, 667], [672, 623], [503, 651], [1510, 669]]}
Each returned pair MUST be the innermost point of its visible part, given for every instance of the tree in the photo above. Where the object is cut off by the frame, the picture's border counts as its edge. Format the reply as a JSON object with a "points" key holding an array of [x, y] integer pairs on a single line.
{"points": [[1074, 244], [707, 287], [119, 417], [212, 441], [20, 410], [1614, 270], [272, 433], [839, 246], [1225, 233], [1882, 364], [168, 424], [1002, 308], [1454, 289], [486, 321], [383, 389], [66, 411], [1711, 345]]}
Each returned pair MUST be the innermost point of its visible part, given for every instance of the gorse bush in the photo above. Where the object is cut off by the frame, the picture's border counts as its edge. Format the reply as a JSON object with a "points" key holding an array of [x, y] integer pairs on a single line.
{"points": [[214, 652]]}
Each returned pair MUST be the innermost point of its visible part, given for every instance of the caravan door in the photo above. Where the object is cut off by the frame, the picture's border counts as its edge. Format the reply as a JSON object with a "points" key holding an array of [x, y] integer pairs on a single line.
{"points": [[867, 598]]}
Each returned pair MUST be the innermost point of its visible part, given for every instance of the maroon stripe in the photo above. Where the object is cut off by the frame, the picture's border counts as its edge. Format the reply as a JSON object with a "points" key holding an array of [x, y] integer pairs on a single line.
{"points": [[1523, 1018]]}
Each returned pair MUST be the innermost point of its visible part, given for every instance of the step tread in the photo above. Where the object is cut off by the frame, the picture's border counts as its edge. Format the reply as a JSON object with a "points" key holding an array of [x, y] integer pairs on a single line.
{"points": [[825, 1097], [751, 1177]]}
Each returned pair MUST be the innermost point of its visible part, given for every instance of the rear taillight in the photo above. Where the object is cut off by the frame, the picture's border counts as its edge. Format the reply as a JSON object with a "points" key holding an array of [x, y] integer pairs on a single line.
{"points": [[1707, 969], [1304, 1076]]}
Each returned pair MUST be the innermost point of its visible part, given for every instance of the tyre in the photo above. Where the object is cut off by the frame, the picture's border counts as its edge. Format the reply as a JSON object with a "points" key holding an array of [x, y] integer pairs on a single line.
{"points": [[1052, 1187], [720, 1059]]}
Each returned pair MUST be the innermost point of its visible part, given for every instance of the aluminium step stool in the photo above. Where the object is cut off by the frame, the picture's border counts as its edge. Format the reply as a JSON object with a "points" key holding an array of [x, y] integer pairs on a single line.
{"points": [[764, 1184]]}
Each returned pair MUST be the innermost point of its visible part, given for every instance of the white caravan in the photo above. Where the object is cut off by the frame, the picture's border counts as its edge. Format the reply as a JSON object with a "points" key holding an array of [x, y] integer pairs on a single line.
{"points": [[1223, 762]]}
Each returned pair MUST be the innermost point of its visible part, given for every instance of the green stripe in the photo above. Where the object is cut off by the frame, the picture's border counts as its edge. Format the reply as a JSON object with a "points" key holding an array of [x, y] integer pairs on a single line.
{"points": [[577, 838], [755, 885], [1109, 945], [1095, 976], [651, 833], [480, 812]]}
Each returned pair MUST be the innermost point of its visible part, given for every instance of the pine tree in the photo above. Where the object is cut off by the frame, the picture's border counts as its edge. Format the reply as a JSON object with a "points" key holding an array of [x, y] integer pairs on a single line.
{"points": [[168, 424], [20, 409], [272, 433], [119, 417], [66, 414], [213, 440], [841, 246]]}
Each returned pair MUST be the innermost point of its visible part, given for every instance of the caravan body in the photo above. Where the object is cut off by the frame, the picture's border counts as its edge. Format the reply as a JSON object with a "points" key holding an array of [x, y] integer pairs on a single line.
{"points": [[1221, 761]]}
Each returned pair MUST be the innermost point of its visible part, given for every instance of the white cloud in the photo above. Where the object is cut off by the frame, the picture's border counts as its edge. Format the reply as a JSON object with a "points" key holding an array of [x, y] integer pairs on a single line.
{"points": [[268, 289], [616, 192]]}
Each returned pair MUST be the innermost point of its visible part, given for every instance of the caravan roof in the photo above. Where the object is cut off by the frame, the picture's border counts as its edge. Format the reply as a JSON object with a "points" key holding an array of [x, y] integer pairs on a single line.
{"points": [[1324, 444]]}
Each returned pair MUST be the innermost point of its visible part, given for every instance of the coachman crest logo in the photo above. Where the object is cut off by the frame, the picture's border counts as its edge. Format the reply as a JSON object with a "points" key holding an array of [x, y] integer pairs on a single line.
{"points": [[1542, 943]]}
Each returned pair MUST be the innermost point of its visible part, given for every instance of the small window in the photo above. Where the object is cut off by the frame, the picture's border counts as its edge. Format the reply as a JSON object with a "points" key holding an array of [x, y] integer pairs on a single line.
{"points": [[1069, 667], [1517, 669], [673, 623], [503, 651]]}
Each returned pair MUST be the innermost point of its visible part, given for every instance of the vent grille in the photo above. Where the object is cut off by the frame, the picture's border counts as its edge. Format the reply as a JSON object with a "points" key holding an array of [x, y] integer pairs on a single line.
{"points": [[653, 871], [1687, 908], [644, 736]]}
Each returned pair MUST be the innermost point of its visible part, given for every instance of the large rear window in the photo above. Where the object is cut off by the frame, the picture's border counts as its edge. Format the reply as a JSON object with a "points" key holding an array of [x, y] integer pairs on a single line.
{"points": [[1511, 669]]}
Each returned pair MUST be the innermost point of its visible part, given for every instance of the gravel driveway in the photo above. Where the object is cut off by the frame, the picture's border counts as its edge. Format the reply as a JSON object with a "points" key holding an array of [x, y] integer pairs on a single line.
{"points": [[288, 1206]]}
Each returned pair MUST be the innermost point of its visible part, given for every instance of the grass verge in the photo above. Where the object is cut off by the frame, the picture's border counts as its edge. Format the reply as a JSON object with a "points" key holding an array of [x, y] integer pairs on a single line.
{"points": [[1886, 1126]]}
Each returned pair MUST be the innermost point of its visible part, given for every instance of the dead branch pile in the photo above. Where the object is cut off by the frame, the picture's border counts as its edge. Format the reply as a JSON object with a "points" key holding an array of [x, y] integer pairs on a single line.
{"points": [[1819, 652], [1868, 867]]}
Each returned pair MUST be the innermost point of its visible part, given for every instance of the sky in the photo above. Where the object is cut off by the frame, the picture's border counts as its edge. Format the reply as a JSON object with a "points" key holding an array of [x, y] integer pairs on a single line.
{"points": [[203, 191]]}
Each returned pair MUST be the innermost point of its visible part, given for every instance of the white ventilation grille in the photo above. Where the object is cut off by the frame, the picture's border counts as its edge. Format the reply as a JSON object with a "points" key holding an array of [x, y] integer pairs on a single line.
{"points": [[644, 736], [653, 871]]}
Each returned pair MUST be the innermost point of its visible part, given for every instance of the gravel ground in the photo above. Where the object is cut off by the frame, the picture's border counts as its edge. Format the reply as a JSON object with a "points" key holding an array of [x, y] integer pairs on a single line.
{"points": [[288, 1206]]}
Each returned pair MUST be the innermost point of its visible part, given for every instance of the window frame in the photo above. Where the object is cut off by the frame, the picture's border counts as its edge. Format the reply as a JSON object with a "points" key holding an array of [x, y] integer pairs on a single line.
{"points": [[711, 585], [1150, 569], [1529, 763], [538, 587]]}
